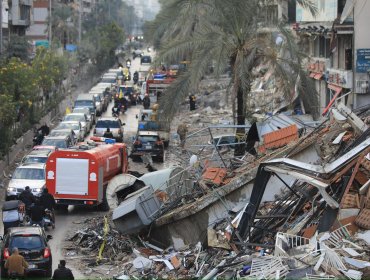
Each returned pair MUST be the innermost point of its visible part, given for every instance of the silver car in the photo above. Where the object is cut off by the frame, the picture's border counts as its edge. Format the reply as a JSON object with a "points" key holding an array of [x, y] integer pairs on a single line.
{"points": [[75, 126], [32, 175], [84, 110], [114, 125], [36, 156], [78, 117], [64, 132]]}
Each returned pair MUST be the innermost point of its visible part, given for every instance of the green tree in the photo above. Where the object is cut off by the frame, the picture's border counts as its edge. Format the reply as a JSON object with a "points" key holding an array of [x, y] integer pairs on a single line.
{"points": [[64, 24], [18, 46], [225, 33]]}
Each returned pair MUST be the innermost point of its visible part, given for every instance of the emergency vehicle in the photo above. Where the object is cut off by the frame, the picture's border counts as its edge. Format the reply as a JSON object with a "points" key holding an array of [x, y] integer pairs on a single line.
{"points": [[80, 176]]}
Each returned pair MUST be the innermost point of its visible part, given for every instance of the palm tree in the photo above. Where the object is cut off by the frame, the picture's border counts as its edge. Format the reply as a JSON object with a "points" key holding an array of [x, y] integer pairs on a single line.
{"points": [[64, 23], [226, 33]]}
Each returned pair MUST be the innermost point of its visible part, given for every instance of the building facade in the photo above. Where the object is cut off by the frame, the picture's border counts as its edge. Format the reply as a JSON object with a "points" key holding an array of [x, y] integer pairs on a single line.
{"points": [[19, 16], [339, 50], [38, 30]]}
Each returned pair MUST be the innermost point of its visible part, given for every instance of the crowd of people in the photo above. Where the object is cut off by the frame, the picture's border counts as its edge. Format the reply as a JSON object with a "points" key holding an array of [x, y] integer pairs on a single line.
{"points": [[36, 207], [15, 264]]}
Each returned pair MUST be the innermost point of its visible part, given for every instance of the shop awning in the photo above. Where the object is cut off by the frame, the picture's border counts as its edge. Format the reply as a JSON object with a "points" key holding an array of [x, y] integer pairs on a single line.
{"points": [[318, 76], [312, 75], [337, 90]]}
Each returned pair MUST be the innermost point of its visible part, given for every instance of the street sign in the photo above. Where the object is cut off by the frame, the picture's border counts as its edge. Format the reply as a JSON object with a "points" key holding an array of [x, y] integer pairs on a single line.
{"points": [[363, 61]]}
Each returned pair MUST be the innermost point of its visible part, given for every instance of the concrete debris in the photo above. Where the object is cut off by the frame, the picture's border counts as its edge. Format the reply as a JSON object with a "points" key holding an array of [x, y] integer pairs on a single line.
{"points": [[297, 208]]}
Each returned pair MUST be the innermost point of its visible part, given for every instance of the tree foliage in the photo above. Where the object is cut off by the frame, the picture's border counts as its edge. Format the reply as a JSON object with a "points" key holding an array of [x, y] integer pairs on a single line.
{"points": [[225, 33]]}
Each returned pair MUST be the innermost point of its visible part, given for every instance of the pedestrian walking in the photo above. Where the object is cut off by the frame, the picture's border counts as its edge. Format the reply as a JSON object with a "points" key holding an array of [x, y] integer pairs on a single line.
{"points": [[16, 264], [182, 129], [146, 101], [62, 272]]}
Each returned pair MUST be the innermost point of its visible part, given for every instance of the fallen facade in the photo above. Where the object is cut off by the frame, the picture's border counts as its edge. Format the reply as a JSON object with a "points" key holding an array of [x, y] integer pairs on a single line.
{"points": [[298, 210]]}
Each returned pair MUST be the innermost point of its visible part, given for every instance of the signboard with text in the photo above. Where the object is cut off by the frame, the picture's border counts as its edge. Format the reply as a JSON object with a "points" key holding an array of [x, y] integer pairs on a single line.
{"points": [[363, 61]]}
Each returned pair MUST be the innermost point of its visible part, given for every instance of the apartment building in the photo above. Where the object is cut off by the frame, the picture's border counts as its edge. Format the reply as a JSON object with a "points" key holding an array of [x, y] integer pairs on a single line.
{"points": [[38, 31], [339, 50], [19, 16]]}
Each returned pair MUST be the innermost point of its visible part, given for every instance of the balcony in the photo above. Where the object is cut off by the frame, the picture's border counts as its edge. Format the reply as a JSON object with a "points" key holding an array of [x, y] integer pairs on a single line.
{"points": [[339, 77]]}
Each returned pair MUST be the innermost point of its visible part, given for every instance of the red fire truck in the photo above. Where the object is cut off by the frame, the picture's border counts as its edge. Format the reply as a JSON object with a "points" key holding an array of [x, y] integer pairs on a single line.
{"points": [[80, 176]]}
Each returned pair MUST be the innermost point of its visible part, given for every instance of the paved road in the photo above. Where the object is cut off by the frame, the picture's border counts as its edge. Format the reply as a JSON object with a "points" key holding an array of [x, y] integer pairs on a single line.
{"points": [[66, 221]]}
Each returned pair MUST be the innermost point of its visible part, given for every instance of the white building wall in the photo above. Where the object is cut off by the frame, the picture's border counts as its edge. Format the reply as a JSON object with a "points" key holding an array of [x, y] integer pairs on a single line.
{"points": [[362, 41]]}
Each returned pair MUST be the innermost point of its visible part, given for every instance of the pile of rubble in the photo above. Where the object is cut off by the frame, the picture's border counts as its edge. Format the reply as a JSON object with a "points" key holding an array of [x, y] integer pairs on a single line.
{"points": [[300, 208]]}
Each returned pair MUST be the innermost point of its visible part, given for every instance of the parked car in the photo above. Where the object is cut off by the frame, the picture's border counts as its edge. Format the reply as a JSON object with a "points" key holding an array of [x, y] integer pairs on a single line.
{"points": [[114, 124], [148, 142], [100, 102], [36, 156], [64, 132], [86, 111], [32, 175], [60, 142], [79, 117], [137, 53], [75, 126], [32, 244], [146, 59], [86, 101]]}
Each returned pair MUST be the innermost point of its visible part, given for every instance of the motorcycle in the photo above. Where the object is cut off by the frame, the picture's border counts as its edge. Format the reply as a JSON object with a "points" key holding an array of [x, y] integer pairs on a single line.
{"points": [[38, 138], [48, 219], [115, 112]]}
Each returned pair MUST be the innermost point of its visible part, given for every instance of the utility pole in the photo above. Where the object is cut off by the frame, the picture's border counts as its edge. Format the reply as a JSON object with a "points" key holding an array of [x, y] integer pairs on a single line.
{"points": [[79, 22], [1, 27], [50, 24]]}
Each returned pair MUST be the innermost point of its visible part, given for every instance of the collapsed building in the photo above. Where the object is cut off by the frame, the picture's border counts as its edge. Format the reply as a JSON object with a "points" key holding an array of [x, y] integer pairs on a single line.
{"points": [[301, 208]]}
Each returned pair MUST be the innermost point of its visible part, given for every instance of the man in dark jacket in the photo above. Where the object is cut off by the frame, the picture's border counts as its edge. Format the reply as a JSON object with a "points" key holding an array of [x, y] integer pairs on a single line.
{"points": [[27, 197], [37, 212], [146, 101], [108, 134], [62, 272], [48, 202]]}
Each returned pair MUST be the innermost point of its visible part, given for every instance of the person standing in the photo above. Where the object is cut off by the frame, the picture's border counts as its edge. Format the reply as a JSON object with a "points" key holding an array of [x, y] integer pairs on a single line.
{"points": [[62, 272], [108, 134], [192, 99], [16, 264], [182, 129], [146, 101]]}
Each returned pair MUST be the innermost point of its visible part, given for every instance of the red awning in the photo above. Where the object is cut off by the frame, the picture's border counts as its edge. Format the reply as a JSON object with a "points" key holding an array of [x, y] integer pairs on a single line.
{"points": [[318, 76], [337, 90], [312, 75]]}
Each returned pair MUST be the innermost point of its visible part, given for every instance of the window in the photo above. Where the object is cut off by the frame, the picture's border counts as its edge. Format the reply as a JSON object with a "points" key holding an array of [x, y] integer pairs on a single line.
{"points": [[107, 123], [26, 242], [35, 160], [29, 174]]}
